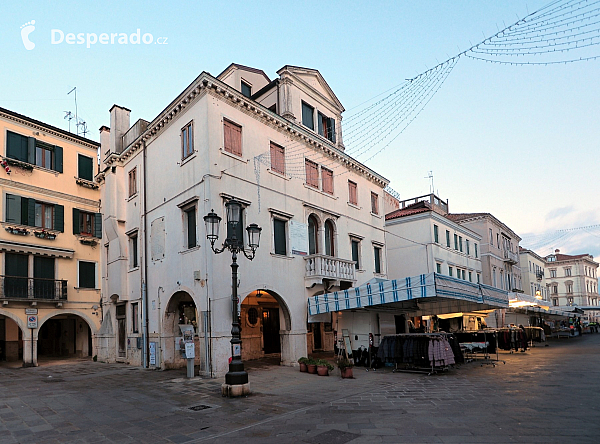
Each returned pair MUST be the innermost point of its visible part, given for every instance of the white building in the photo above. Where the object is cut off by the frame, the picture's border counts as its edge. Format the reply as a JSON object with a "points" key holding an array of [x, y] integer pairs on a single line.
{"points": [[421, 239], [533, 274], [277, 147]]}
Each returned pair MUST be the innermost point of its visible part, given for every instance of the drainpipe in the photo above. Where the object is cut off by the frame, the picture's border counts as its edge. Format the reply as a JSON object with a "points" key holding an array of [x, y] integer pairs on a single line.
{"points": [[145, 271]]}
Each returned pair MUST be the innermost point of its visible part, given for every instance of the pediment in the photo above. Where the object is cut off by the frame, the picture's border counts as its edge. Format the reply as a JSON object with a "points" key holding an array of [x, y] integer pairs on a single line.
{"points": [[314, 80]]}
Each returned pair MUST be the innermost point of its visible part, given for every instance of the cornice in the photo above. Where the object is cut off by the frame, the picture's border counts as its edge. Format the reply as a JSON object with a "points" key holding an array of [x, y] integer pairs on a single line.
{"points": [[46, 192], [206, 83]]}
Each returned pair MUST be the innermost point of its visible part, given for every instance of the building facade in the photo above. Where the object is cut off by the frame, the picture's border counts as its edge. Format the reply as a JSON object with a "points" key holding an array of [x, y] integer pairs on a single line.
{"points": [[533, 274], [421, 239], [573, 281], [274, 145], [50, 242]]}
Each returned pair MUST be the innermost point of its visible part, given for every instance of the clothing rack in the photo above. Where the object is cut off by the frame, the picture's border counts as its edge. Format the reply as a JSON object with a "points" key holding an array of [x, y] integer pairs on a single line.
{"points": [[417, 365], [484, 356]]}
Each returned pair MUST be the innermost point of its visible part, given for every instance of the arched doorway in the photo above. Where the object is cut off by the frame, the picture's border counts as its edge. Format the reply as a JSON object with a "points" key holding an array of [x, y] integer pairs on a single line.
{"points": [[11, 340], [64, 335], [181, 315], [264, 319]]}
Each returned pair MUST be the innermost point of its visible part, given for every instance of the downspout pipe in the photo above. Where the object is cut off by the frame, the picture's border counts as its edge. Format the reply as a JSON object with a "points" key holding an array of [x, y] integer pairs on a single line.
{"points": [[145, 271]]}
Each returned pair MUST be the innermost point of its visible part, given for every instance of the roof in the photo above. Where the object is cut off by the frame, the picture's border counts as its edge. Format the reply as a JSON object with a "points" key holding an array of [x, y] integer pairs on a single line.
{"points": [[245, 68], [459, 217], [50, 127], [416, 208], [296, 70], [568, 257]]}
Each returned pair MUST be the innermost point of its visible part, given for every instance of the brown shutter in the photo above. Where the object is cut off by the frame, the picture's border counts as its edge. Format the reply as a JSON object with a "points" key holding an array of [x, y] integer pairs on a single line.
{"points": [[312, 174], [327, 180], [352, 193], [233, 138], [277, 158], [374, 203]]}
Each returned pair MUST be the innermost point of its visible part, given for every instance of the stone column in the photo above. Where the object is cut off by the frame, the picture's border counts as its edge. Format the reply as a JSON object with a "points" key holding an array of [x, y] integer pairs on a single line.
{"points": [[286, 99], [30, 350]]}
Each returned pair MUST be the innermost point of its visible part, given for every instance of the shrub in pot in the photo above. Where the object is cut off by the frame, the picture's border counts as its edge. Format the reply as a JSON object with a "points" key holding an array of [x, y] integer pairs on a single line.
{"points": [[345, 366], [303, 367], [323, 367], [311, 364]]}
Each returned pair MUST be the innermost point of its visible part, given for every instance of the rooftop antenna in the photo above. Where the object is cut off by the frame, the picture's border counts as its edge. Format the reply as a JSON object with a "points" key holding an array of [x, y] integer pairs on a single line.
{"points": [[69, 117], [76, 118], [430, 177]]}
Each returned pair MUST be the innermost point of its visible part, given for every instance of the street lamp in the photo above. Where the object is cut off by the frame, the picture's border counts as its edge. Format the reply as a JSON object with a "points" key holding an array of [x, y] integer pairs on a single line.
{"points": [[236, 376]]}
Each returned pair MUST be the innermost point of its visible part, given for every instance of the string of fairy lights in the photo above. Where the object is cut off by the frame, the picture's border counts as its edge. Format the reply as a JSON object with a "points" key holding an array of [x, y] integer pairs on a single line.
{"points": [[547, 241]]}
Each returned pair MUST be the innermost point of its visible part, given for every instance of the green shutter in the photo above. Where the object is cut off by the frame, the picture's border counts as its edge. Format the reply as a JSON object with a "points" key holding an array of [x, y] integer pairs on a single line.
{"points": [[320, 124], [13, 209], [30, 212], [87, 274], [191, 227], [279, 235], [98, 225], [58, 159], [31, 150], [59, 218], [76, 221], [85, 167], [16, 146], [355, 254], [332, 126]]}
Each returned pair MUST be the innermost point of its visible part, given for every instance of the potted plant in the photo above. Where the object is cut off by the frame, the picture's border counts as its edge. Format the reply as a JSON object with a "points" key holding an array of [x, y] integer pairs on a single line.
{"points": [[302, 361], [311, 364], [345, 365], [323, 367]]}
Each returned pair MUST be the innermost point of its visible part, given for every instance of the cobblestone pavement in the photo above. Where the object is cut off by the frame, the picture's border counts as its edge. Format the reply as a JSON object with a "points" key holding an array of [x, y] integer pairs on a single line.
{"points": [[549, 394]]}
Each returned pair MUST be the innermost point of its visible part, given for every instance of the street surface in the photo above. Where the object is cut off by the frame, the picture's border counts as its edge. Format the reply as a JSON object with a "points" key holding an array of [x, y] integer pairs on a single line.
{"points": [[546, 395]]}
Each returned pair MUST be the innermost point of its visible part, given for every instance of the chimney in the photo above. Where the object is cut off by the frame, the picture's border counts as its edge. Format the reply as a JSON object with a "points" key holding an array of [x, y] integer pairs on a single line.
{"points": [[119, 124], [556, 251], [104, 142]]}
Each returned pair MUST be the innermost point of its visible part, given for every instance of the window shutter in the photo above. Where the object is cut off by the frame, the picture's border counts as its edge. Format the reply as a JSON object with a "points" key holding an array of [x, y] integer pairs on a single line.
{"points": [[233, 138], [17, 146], [76, 221], [30, 212], [312, 174], [13, 209], [59, 218], [30, 154], [279, 236], [332, 129], [320, 118], [98, 225], [355, 253], [87, 275], [191, 227], [85, 167], [58, 159]]}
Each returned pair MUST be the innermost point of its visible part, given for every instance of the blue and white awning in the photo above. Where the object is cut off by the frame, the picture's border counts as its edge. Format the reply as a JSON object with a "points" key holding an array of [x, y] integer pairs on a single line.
{"points": [[430, 293]]}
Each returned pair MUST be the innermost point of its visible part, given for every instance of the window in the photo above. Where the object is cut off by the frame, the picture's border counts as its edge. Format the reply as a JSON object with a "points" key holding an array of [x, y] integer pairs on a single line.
{"points": [[327, 176], [135, 322], [476, 252], [355, 245], [312, 173], [187, 140], [460, 244], [329, 238], [555, 302], [463, 274], [494, 278], [86, 223], [313, 229], [44, 215], [498, 240], [448, 238], [470, 276], [352, 194], [326, 127], [491, 238], [277, 158], [555, 289], [468, 248], [133, 182], [377, 254], [308, 113], [190, 223], [438, 268], [455, 241], [85, 167], [569, 288], [87, 274], [246, 89], [436, 235], [553, 273], [279, 236], [252, 316], [567, 272], [478, 278], [570, 301], [33, 151], [133, 252], [232, 137], [374, 203], [450, 271]]}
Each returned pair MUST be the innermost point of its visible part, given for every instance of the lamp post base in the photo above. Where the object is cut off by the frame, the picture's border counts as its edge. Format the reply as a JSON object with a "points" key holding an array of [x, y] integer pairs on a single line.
{"points": [[235, 390]]}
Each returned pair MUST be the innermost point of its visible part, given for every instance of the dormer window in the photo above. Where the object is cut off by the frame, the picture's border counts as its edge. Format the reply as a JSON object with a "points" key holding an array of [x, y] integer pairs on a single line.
{"points": [[246, 89], [327, 127], [308, 116]]}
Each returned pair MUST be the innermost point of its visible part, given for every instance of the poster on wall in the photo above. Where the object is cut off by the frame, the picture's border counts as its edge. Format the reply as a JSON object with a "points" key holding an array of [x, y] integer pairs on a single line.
{"points": [[298, 238]]}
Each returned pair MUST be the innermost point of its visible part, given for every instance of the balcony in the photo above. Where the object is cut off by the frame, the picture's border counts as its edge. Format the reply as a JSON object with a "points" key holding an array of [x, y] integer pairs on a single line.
{"points": [[32, 289], [320, 267], [510, 257], [539, 275]]}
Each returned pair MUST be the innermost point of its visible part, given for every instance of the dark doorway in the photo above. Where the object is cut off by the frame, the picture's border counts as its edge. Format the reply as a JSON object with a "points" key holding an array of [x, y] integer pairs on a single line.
{"points": [[50, 341], [400, 324], [121, 330], [43, 273], [271, 341], [2, 340], [317, 338]]}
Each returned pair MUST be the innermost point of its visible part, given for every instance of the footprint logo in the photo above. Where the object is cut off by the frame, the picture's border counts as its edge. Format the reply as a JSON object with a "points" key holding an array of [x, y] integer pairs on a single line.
{"points": [[27, 29]]}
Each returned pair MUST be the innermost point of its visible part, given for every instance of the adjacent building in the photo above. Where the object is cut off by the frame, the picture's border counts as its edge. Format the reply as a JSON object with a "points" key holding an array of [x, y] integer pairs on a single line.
{"points": [[275, 145], [50, 242], [533, 274]]}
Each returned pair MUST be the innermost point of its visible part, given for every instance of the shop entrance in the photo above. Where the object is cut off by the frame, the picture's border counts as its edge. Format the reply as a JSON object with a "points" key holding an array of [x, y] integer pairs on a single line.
{"points": [[271, 340], [11, 340], [181, 313], [64, 336]]}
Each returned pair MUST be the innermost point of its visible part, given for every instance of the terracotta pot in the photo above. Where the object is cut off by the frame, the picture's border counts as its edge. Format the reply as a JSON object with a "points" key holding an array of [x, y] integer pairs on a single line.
{"points": [[312, 368], [322, 370], [347, 373], [303, 367]]}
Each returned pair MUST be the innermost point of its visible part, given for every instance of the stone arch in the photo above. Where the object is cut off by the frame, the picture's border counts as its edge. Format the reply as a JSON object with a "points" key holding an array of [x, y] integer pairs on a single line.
{"points": [[82, 340], [82, 315], [17, 344], [18, 321], [181, 309], [330, 237]]}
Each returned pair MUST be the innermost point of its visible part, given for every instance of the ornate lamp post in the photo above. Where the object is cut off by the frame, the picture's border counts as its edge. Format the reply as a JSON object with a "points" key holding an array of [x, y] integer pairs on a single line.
{"points": [[236, 379]]}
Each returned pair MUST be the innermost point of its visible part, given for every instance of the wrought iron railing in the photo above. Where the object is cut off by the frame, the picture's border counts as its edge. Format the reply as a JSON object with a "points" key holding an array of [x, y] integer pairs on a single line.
{"points": [[15, 287]]}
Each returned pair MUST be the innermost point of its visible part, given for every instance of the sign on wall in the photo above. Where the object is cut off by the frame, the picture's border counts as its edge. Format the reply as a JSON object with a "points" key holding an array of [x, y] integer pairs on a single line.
{"points": [[153, 353], [298, 238], [32, 321]]}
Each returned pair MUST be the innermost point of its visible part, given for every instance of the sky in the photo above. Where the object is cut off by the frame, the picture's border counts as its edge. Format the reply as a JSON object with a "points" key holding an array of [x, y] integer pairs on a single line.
{"points": [[520, 142]]}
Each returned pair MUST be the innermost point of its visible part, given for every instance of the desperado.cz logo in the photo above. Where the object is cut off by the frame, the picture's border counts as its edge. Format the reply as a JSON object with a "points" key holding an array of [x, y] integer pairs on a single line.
{"points": [[57, 37]]}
